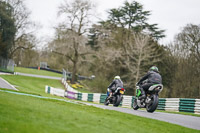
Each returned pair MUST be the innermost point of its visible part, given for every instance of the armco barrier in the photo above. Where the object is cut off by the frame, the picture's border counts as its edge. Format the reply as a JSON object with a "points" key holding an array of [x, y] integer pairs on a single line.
{"points": [[172, 104], [187, 105], [84, 97], [96, 97], [161, 104], [102, 98], [90, 97], [71, 95], [127, 101], [167, 104], [197, 106], [79, 96], [61, 92], [68, 87]]}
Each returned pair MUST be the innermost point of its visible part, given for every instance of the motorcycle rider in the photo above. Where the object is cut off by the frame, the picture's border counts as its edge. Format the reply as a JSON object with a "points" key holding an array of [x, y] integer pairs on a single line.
{"points": [[117, 82], [151, 78]]}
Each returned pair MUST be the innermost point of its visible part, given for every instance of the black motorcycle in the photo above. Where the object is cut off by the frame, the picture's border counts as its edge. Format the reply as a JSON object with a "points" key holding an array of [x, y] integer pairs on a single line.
{"points": [[115, 98], [150, 102]]}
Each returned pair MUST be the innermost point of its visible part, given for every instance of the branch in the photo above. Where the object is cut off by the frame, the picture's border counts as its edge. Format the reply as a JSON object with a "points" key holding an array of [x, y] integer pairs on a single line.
{"points": [[19, 47], [86, 53], [69, 57]]}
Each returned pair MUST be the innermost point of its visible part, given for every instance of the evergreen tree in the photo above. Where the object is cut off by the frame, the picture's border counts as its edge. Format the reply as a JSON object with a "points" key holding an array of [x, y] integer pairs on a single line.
{"points": [[133, 17], [7, 29]]}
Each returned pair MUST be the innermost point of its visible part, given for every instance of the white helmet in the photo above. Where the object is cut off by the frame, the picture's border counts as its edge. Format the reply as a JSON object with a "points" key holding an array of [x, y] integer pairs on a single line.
{"points": [[117, 77]]}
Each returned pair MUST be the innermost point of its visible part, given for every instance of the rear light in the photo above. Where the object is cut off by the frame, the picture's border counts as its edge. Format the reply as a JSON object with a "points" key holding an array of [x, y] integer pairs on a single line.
{"points": [[122, 89]]}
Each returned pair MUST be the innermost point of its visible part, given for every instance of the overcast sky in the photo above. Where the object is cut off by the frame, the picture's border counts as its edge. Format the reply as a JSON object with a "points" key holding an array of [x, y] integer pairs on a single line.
{"points": [[170, 15]]}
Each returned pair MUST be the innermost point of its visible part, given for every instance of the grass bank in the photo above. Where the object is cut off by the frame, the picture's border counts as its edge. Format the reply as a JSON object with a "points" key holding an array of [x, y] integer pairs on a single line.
{"points": [[32, 84], [28, 114]]}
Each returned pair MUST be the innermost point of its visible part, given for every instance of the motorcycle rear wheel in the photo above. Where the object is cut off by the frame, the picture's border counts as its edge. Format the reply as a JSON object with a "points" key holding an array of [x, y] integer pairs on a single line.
{"points": [[151, 107], [118, 100]]}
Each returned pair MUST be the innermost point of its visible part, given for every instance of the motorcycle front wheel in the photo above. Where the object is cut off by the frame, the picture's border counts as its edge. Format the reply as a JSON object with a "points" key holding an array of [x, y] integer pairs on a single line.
{"points": [[135, 106], [152, 105], [106, 102]]}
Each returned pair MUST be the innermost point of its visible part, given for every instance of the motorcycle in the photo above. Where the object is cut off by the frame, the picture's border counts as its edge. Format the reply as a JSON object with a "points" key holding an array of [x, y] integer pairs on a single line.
{"points": [[115, 98], [150, 102]]}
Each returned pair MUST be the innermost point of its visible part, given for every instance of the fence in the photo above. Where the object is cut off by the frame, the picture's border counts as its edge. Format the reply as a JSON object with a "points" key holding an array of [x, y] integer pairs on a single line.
{"points": [[66, 75], [167, 104], [61, 92], [180, 105], [6, 65]]}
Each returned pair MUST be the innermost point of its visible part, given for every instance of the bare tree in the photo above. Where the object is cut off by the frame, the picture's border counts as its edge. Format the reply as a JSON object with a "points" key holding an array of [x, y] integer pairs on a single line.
{"points": [[188, 41], [127, 55], [140, 54], [77, 16], [186, 50], [23, 51]]}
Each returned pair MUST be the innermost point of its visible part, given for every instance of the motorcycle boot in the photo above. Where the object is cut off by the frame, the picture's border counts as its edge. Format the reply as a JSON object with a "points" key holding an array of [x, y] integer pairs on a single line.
{"points": [[142, 94]]}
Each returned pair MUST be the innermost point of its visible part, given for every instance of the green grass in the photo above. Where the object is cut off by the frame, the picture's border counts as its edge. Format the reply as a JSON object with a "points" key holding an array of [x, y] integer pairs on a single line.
{"points": [[37, 86], [32, 84], [28, 114], [5, 70], [37, 72]]}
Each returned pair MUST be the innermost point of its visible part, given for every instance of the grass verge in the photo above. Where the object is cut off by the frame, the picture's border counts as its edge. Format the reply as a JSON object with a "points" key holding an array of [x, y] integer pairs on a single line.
{"points": [[32, 84], [29, 114]]}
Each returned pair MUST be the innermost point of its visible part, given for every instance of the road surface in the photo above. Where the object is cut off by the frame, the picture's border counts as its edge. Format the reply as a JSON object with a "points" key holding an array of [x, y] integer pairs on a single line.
{"points": [[4, 84], [38, 76], [183, 120]]}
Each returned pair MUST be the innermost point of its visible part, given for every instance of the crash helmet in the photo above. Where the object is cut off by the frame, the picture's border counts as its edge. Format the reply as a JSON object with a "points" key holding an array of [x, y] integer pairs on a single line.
{"points": [[117, 77], [153, 68]]}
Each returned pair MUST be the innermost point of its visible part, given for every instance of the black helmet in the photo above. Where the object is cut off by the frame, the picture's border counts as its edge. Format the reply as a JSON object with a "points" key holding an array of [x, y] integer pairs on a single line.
{"points": [[154, 68]]}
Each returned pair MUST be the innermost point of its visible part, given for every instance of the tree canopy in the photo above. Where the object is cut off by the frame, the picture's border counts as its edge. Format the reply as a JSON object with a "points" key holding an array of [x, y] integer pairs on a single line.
{"points": [[7, 28], [133, 17]]}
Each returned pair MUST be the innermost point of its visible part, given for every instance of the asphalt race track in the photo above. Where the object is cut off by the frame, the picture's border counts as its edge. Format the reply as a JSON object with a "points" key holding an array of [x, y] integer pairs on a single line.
{"points": [[4, 84], [183, 120], [38, 76]]}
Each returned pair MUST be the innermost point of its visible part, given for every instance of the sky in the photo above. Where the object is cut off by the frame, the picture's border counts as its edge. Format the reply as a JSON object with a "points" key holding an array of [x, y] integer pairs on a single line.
{"points": [[170, 15]]}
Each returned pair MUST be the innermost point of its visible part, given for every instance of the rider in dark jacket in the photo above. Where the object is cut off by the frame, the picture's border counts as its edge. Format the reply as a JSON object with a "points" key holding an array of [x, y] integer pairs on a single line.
{"points": [[117, 82], [151, 78]]}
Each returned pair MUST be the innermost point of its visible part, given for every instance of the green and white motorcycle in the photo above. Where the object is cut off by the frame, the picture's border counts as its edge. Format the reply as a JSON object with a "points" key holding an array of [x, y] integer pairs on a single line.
{"points": [[150, 102]]}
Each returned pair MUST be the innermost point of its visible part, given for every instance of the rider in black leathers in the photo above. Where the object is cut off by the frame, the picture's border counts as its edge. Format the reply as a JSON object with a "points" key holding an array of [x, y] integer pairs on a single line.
{"points": [[117, 82], [151, 78]]}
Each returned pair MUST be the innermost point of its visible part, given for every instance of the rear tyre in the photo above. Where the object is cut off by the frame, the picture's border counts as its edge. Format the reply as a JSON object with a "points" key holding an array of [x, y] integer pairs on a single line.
{"points": [[135, 106], [117, 101], [152, 105]]}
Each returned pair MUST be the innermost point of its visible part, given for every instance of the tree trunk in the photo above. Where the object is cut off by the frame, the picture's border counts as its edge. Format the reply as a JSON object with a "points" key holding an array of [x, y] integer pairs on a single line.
{"points": [[74, 73]]}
